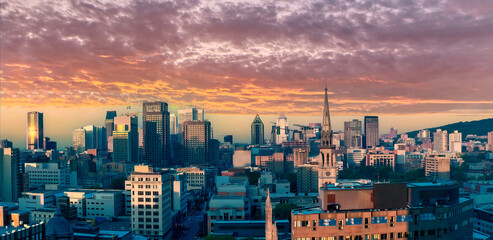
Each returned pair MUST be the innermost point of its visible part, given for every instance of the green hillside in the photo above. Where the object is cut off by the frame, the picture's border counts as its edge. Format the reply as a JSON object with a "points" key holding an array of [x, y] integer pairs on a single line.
{"points": [[479, 127]]}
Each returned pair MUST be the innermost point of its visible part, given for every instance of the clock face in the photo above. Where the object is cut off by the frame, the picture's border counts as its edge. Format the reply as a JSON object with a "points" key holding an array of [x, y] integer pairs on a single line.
{"points": [[327, 174]]}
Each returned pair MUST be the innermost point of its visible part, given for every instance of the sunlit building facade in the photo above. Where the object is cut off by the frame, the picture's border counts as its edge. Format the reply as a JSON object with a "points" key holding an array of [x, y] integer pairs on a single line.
{"points": [[126, 139], [196, 139], [35, 130]]}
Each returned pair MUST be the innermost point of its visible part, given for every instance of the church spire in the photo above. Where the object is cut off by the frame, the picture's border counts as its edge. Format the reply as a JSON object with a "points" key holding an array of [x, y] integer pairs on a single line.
{"points": [[326, 135], [268, 217]]}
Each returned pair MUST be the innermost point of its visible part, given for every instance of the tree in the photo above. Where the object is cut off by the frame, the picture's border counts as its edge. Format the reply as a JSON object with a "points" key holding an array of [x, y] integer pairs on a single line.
{"points": [[283, 210], [212, 237], [118, 183]]}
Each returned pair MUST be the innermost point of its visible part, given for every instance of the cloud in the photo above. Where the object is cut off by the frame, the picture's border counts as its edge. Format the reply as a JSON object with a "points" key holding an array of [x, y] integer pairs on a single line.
{"points": [[389, 57]]}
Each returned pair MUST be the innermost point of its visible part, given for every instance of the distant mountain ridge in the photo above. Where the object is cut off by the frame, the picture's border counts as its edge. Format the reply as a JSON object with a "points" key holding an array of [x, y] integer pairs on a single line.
{"points": [[478, 127]]}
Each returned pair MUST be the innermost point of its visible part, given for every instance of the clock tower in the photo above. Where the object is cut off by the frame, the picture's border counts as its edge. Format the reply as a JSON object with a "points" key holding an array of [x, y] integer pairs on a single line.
{"points": [[327, 169]]}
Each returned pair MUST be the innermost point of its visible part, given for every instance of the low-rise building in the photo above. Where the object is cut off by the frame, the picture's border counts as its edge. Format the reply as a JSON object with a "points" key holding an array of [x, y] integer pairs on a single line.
{"points": [[227, 208]]}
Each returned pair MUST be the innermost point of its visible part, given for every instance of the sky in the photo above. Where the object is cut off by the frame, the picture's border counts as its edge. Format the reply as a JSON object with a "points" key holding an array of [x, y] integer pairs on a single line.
{"points": [[415, 64]]}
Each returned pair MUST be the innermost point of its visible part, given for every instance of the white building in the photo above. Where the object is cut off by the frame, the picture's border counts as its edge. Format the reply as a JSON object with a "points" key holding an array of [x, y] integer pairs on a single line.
{"points": [[38, 199], [282, 134], [355, 156], [196, 179], [455, 142], [41, 174], [108, 204], [440, 141], [79, 140], [151, 202], [9, 174]]}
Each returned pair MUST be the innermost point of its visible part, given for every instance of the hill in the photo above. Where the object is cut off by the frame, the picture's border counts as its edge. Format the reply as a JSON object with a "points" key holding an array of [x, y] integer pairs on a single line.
{"points": [[479, 127]]}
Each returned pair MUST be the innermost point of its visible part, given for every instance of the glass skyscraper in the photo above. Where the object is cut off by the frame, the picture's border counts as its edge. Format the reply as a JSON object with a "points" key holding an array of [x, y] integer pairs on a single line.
{"points": [[156, 139], [257, 131], [34, 130], [371, 131], [196, 142]]}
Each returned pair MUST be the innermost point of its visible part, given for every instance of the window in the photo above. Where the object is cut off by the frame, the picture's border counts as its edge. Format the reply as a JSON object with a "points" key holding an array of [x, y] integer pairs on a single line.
{"points": [[404, 218], [327, 222], [354, 221], [378, 220]]}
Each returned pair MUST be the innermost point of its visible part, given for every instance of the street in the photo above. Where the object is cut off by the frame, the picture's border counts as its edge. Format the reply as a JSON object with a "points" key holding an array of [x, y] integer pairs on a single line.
{"points": [[193, 221]]}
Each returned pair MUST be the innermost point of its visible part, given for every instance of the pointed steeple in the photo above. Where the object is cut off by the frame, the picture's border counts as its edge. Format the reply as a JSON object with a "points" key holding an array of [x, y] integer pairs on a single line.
{"points": [[268, 217], [326, 135]]}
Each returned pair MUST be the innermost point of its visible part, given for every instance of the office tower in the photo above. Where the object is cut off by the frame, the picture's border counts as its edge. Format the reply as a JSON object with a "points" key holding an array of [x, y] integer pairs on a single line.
{"points": [[101, 137], [273, 134], [42, 173], [190, 114], [352, 134], [126, 139], [371, 131], [437, 167], [490, 141], [90, 136], [257, 131], [173, 124], [9, 175], [327, 165], [109, 123], [440, 141], [455, 142], [156, 151], [35, 130], [196, 139], [228, 139], [79, 140], [151, 202], [282, 131], [6, 144], [307, 178]]}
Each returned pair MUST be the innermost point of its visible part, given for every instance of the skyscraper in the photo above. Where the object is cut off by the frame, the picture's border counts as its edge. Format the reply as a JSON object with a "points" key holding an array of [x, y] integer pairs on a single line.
{"points": [[282, 131], [156, 151], [9, 175], [196, 139], [126, 139], [35, 130], [79, 140], [109, 123], [327, 166], [257, 131], [440, 141], [191, 113], [173, 124], [371, 131], [100, 137], [352, 134], [90, 136], [228, 139]]}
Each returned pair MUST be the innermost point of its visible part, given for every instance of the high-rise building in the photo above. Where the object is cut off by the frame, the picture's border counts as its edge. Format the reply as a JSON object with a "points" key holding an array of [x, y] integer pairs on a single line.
{"points": [[455, 142], [352, 134], [257, 131], [190, 113], [282, 129], [9, 175], [100, 137], [126, 139], [151, 202], [196, 139], [371, 131], [35, 132], [109, 123], [79, 140], [90, 136], [327, 162], [173, 124], [156, 151], [48, 145], [424, 133], [440, 141], [307, 178], [437, 167], [228, 139]]}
